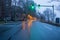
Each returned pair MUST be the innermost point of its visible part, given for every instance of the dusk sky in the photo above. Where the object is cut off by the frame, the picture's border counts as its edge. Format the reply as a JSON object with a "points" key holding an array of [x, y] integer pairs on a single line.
{"points": [[49, 2], [56, 3]]}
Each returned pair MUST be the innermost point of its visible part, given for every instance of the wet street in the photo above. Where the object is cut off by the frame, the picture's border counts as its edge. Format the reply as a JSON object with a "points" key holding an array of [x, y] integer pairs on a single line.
{"points": [[38, 31]]}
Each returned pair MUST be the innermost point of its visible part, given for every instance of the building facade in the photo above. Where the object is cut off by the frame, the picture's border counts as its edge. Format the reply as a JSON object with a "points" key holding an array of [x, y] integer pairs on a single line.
{"points": [[5, 6]]}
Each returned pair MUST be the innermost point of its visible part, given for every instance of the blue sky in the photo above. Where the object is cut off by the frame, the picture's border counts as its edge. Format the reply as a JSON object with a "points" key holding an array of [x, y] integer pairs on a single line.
{"points": [[56, 3]]}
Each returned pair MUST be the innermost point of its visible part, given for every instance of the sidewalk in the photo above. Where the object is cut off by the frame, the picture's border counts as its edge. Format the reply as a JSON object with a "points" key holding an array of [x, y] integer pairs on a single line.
{"points": [[11, 22]]}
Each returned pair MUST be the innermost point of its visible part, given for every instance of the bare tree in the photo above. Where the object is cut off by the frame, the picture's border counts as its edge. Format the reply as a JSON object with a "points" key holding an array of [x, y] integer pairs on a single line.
{"points": [[49, 14]]}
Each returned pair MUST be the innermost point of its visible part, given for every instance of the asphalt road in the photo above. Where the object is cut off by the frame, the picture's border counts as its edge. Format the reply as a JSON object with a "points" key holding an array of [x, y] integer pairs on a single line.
{"points": [[42, 31], [7, 30], [38, 31]]}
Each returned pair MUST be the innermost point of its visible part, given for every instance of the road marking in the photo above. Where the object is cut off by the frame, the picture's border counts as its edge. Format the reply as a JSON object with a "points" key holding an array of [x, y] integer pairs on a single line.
{"points": [[48, 27]]}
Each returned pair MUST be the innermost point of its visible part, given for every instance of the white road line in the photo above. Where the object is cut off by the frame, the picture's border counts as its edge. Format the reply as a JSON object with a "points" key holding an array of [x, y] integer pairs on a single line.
{"points": [[48, 27]]}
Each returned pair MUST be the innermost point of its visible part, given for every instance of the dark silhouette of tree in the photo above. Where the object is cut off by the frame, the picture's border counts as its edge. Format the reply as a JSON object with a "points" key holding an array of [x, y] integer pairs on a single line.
{"points": [[23, 7], [18, 12], [46, 13], [49, 14], [41, 16], [27, 7]]}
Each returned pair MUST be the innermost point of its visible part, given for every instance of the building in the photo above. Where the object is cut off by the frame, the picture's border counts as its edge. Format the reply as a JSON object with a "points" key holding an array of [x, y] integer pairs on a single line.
{"points": [[5, 8], [0, 9]]}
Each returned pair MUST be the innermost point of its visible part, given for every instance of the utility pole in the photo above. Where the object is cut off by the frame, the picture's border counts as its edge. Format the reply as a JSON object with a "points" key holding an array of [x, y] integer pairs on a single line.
{"points": [[53, 12]]}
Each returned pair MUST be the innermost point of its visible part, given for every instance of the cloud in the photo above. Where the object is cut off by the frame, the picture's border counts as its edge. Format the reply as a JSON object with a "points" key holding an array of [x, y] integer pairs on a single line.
{"points": [[49, 2]]}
